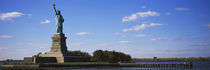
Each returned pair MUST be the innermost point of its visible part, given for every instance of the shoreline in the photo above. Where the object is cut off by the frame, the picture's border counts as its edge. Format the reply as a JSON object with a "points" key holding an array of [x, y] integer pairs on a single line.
{"points": [[71, 65]]}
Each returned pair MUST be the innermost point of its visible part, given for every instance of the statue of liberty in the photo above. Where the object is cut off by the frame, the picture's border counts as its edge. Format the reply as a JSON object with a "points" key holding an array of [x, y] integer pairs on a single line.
{"points": [[59, 20]]}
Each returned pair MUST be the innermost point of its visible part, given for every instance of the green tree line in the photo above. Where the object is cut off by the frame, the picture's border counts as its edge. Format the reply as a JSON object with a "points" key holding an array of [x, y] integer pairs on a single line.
{"points": [[110, 56], [104, 56], [79, 53]]}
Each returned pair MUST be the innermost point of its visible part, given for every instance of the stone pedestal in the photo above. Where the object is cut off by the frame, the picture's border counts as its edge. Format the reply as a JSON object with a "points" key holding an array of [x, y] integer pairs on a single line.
{"points": [[57, 54], [58, 49], [59, 44]]}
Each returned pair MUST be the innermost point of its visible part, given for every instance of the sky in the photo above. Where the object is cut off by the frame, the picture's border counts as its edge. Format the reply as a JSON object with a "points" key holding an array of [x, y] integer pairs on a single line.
{"points": [[141, 28]]}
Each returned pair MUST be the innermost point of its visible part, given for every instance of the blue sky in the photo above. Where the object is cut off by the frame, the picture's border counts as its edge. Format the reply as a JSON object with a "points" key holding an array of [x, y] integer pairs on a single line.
{"points": [[141, 28]]}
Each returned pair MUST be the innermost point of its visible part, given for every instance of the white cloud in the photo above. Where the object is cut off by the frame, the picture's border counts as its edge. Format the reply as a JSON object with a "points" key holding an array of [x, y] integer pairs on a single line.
{"points": [[182, 9], [141, 27], [6, 36], [125, 42], [141, 35], [160, 39], [10, 15], [3, 48], [139, 15], [82, 33], [45, 22], [143, 7]]}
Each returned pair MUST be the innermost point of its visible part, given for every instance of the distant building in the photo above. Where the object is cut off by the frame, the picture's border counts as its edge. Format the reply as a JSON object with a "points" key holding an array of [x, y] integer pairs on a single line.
{"points": [[154, 58]]}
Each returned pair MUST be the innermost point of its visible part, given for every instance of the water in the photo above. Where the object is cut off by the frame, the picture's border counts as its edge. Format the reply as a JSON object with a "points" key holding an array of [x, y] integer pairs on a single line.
{"points": [[197, 65], [159, 62], [126, 68], [0, 65]]}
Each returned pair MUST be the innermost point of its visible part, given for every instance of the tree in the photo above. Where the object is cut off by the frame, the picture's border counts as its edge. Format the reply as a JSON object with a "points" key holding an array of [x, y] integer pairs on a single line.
{"points": [[110, 56], [98, 56], [79, 53]]}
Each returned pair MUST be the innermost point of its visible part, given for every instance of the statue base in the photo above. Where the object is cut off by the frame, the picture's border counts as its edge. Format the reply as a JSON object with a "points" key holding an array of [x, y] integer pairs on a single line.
{"points": [[57, 54]]}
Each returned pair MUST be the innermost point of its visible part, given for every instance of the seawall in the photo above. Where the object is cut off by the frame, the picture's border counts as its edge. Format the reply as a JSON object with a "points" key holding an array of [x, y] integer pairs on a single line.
{"points": [[142, 65]]}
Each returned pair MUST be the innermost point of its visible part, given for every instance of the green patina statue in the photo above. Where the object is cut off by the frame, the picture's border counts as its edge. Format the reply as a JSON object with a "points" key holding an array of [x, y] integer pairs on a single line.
{"points": [[59, 20]]}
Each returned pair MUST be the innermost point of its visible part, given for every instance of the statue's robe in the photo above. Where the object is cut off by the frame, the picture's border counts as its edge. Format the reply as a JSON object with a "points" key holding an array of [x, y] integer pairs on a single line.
{"points": [[59, 21]]}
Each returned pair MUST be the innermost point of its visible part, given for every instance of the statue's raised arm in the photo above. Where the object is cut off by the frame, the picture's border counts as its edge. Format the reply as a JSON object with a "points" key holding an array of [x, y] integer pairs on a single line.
{"points": [[59, 20], [54, 8]]}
